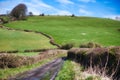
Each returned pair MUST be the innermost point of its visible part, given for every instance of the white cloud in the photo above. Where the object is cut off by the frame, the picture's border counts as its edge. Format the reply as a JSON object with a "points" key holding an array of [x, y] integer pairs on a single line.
{"points": [[86, 1], [82, 6], [34, 11], [111, 16], [40, 3], [8, 5], [38, 7], [85, 12], [65, 1], [63, 12]]}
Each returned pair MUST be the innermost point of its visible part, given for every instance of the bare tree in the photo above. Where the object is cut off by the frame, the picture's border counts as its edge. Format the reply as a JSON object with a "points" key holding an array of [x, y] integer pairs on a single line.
{"points": [[19, 12]]}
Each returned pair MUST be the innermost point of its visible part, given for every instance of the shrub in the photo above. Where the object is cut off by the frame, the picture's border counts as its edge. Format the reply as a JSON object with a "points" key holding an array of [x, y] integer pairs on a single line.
{"points": [[90, 45], [118, 29], [15, 51], [102, 60], [10, 61], [42, 14], [77, 53], [67, 46], [13, 61], [71, 54], [115, 50], [2, 21]]}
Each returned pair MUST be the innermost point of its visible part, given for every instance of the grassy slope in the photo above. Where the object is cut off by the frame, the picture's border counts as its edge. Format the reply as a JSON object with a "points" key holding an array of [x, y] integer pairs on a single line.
{"points": [[16, 40], [74, 29]]}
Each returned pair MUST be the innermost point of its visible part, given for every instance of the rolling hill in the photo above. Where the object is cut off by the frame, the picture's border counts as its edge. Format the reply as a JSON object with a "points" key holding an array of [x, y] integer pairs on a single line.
{"points": [[78, 30]]}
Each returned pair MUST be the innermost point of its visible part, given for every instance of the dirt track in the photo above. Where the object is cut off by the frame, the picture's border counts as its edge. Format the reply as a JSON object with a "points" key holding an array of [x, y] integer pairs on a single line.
{"points": [[46, 72]]}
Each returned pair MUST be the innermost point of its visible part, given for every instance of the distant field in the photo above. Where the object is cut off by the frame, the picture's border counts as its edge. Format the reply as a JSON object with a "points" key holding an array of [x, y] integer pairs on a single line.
{"points": [[16, 40], [73, 29]]}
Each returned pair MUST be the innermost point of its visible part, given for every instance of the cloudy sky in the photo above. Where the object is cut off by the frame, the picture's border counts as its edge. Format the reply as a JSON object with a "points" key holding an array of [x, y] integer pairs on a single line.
{"points": [[96, 8]]}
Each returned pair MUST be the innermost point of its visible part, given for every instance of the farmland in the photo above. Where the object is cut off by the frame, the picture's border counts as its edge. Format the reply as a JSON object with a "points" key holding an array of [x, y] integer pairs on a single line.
{"points": [[17, 40], [26, 35], [77, 30]]}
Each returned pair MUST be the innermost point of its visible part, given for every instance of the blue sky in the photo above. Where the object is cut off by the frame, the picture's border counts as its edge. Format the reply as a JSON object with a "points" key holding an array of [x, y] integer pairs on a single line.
{"points": [[96, 8]]}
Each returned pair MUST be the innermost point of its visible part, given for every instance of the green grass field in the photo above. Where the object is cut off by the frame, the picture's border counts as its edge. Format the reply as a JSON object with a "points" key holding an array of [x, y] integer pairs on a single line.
{"points": [[74, 29], [63, 29], [16, 40]]}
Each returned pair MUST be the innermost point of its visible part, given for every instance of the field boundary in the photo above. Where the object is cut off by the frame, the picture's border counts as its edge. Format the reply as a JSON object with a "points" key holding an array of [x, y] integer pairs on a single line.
{"points": [[48, 36]]}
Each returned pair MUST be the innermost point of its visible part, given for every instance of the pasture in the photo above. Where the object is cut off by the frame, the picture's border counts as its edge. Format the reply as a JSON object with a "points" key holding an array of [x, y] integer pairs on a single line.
{"points": [[77, 30], [17, 40], [63, 29]]}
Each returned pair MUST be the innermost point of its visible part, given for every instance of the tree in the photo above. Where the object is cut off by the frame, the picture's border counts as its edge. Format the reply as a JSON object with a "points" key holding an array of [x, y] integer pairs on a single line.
{"points": [[72, 15], [117, 18], [19, 12], [42, 14], [30, 14]]}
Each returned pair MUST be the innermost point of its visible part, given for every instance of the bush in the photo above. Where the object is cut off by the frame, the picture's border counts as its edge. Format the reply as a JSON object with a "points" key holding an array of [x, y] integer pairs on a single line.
{"points": [[10, 61], [101, 60], [115, 51], [90, 45], [118, 29], [13, 61], [42, 14], [2, 21], [67, 46], [76, 52]]}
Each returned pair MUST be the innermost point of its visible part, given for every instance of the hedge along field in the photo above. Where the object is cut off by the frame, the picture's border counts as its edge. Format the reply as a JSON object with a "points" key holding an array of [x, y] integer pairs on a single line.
{"points": [[76, 30], [16, 40]]}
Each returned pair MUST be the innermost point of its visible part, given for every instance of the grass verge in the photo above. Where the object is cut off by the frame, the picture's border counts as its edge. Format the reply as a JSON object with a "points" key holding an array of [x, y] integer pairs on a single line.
{"points": [[66, 73]]}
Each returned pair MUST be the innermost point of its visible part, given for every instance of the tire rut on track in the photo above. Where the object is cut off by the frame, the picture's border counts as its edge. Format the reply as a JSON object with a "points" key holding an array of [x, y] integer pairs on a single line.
{"points": [[46, 72]]}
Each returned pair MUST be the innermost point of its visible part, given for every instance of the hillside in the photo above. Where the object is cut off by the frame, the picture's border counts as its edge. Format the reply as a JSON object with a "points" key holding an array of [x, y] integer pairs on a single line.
{"points": [[20, 40], [73, 29]]}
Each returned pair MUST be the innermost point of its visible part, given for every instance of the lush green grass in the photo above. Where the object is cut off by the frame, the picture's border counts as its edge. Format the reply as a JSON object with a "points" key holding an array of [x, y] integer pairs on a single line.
{"points": [[67, 72], [16, 40], [74, 29], [5, 73]]}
